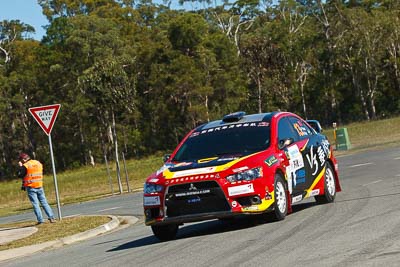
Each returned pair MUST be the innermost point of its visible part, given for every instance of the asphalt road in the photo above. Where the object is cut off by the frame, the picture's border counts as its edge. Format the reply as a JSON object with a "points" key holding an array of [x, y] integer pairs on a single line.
{"points": [[362, 228]]}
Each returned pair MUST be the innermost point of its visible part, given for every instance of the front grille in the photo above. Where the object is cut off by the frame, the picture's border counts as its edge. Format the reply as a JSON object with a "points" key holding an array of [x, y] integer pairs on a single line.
{"points": [[195, 198]]}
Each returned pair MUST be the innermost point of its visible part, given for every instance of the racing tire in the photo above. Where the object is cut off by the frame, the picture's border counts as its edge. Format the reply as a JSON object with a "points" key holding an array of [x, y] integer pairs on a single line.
{"points": [[329, 187], [281, 198], [165, 232]]}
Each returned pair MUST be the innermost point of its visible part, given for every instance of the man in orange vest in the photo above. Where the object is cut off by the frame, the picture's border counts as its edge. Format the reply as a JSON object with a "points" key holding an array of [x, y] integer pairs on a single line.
{"points": [[31, 171]]}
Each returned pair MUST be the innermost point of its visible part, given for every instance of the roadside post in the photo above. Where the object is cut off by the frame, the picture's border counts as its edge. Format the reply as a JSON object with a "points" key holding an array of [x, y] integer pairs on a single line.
{"points": [[109, 175], [334, 133], [45, 116], [126, 173]]}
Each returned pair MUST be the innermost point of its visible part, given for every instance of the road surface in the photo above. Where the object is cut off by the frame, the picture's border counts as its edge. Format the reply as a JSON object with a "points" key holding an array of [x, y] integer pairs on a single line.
{"points": [[362, 228]]}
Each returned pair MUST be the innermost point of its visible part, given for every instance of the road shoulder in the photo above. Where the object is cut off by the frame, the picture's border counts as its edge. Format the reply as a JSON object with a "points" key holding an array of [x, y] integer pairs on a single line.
{"points": [[115, 223]]}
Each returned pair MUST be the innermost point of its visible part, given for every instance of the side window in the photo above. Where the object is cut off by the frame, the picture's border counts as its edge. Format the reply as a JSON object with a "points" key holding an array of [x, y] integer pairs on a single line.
{"points": [[301, 128], [285, 130]]}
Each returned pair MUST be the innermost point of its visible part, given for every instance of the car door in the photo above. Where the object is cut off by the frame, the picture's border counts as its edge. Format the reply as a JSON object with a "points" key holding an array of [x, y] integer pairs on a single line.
{"points": [[295, 161], [312, 152]]}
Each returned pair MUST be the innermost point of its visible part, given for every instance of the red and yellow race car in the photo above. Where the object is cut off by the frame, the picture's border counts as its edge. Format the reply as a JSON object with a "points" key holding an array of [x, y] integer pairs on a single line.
{"points": [[242, 164]]}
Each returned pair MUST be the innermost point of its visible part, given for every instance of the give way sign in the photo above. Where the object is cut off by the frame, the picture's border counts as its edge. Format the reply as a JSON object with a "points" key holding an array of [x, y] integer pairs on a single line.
{"points": [[45, 116]]}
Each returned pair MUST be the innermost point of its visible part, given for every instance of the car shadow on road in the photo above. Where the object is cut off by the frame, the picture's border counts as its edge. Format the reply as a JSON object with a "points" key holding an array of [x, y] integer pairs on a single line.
{"points": [[214, 227]]}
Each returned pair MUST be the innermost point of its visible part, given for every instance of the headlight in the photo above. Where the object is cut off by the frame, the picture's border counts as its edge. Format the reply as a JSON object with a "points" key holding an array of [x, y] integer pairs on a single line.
{"points": [[152, 188], [246, 175]]}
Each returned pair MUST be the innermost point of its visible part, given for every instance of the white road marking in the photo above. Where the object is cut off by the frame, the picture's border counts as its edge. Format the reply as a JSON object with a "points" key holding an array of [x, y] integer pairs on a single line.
{"points": [[397, 158], [109, 209], [374, 182], [73, 215], [362, 164], [397, 175]]}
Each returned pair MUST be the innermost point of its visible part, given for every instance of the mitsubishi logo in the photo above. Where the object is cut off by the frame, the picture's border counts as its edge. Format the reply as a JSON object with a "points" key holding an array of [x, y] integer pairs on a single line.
{"points": [[192, 187]]}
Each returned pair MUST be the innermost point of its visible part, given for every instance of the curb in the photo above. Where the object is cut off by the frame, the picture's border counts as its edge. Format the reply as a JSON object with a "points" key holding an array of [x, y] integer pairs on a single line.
{"points": [[28, 250]]}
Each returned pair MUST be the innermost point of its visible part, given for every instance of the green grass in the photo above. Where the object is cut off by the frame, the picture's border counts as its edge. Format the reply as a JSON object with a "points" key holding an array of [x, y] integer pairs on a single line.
{"points": [[370, 135], [53, 231], [80, 185]]}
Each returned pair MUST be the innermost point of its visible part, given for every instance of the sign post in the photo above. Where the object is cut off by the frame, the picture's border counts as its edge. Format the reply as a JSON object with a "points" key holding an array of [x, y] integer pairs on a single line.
{"points": [[45, 117]]}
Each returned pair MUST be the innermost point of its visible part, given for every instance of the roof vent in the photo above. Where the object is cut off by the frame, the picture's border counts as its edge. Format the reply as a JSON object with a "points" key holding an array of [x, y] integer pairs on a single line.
{"points": [[236, 116]]}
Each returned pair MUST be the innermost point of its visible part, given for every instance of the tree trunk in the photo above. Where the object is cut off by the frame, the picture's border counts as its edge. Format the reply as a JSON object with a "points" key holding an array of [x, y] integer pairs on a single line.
{"points": [[259, 94]]}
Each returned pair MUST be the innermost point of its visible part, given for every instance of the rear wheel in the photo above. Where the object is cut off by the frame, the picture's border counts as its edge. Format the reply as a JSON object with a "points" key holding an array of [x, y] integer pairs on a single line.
{"points": [[330, 187], [281, 201], [165, 232]]}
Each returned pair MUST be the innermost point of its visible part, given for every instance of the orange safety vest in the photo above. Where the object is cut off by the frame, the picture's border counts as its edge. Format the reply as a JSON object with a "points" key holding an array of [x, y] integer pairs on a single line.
{"points": [[34, 174]]}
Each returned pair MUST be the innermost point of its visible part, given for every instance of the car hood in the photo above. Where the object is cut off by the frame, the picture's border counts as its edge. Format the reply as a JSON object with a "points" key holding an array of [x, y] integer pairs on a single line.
{"points": [[172, 170]]}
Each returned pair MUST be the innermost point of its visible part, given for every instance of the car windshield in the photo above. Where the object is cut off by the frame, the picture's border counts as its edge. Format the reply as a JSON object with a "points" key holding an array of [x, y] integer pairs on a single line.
{"points": [[233, 140]]}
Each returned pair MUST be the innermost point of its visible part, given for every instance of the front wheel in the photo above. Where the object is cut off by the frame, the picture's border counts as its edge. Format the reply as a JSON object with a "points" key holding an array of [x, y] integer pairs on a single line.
{"points": [[165, 232], [281, 200], [329, 187]]}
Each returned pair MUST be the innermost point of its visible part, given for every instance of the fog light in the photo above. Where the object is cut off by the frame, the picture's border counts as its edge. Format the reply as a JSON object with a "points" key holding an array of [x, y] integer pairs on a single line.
{"points": [[147, 213]]}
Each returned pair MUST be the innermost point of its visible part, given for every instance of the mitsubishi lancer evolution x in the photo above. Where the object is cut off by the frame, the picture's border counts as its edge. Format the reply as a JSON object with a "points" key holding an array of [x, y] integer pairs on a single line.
{"points": [[242, 164]]}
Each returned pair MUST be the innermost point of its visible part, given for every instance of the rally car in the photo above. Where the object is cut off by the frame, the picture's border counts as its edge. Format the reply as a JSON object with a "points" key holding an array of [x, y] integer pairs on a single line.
{"points": [[242, 164]]}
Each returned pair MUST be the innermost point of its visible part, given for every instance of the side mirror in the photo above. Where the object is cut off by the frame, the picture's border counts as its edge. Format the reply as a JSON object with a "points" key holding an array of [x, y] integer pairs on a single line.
{"points": [[285, 142], [316, 125], [166, 157]]}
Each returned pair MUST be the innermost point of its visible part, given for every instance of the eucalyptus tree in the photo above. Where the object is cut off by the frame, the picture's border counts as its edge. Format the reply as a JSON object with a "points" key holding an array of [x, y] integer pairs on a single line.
{"points": [[390, 21], [87, 35], [194, 77], [365, 52], [18, 90], [325, 16]]}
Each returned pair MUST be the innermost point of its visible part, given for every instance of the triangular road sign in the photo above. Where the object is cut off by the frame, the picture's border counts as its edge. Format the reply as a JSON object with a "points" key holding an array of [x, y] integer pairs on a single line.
{"points": [[45, 116]]}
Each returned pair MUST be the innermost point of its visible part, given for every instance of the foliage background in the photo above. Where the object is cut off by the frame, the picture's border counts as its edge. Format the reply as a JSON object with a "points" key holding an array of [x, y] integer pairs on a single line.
{"points": [[134, 76]]}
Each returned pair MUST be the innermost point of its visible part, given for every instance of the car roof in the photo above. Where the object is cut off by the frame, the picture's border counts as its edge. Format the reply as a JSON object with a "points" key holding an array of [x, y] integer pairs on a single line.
{"points": [[243, 119]]}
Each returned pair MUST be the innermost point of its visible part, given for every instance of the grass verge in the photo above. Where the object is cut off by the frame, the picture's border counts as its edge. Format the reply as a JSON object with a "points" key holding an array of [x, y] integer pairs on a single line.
{"points": [[53, 231]]}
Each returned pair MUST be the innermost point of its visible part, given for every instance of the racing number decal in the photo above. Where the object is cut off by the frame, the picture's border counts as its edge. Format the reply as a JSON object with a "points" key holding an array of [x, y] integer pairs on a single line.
{"points": [[295, 170]]}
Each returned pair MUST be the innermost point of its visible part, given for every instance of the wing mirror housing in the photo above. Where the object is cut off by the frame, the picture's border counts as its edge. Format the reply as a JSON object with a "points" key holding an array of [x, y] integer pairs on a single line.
{"points": [[285, 142], [166, 157], [316, 125]]}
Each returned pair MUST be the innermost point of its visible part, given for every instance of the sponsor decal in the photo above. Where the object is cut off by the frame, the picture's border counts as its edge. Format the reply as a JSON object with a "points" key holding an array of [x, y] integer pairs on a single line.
{"points": [[312, 159], [300, 177], [240, 189], [300, 129], [263, 124], [234, 204], [206, 160], [297, 198], [195, 199], [227, 159], [314, 192], [164, 167], [240, 169], [293, 152], [296, 163], [193, 192], [194, 134], [221, 128], [326, 146], [151, 201], [153, 180], [271, 161], [321, 155], [193, 172], [182, 164], [251, 208]]}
